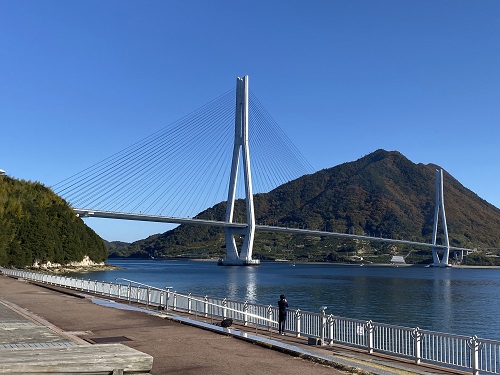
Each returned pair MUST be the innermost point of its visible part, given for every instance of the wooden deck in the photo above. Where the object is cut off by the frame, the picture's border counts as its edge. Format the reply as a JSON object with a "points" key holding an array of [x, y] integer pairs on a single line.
{"points": [[82, 359]]}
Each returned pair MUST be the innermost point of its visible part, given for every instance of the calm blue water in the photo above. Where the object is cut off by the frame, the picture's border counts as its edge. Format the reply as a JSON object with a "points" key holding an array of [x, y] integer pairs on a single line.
{"points": [[453, 300]]}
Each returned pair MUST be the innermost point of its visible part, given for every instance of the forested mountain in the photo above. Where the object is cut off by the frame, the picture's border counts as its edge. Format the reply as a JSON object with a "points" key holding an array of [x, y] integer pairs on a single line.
{"points": [[38, 226], [382, 194]]}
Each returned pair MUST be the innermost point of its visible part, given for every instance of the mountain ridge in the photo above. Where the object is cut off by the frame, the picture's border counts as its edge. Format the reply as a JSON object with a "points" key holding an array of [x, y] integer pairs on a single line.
{"points": [[381, 194]]}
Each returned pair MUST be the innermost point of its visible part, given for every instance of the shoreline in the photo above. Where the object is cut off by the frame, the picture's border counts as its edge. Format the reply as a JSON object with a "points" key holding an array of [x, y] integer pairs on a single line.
{"points": [[214, 260], [74, 269]]}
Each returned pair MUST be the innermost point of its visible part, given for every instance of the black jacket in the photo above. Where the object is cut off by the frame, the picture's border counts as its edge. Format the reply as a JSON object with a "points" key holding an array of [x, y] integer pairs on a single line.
{"points": [[282, 306]]}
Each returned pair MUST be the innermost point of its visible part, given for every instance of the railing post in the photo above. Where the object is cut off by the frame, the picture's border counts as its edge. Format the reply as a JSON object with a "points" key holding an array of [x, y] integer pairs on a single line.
{"points": [[331, 324], [369, 330], [417, 339], [245, 313], [270, 317], [148, 297], [224, 310], [298, 320], [189, 303], [128, 293], [167, 299], [175, 301], [205, 306], [474, 345], [322, 320]]}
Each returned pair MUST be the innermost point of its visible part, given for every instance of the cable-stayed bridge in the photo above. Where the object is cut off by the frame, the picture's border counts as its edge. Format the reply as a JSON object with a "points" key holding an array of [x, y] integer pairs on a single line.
{"points": [[203, 159]]}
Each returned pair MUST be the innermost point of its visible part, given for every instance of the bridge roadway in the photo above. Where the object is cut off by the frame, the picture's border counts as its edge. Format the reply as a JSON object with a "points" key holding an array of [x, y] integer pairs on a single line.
{"points": [[214, 223], [176, 342]]}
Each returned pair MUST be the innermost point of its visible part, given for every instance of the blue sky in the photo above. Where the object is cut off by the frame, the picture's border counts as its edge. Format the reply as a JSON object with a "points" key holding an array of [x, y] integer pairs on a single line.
{"points": [[81, 80]]}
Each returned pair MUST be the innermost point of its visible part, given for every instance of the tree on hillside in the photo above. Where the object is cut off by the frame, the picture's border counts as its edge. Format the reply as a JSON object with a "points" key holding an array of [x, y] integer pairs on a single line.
{"points": [[37, 225]]}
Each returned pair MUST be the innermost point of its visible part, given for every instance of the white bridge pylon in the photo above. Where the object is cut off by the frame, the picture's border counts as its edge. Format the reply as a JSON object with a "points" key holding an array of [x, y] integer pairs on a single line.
{"points": [[437, 262], [244, 256]]}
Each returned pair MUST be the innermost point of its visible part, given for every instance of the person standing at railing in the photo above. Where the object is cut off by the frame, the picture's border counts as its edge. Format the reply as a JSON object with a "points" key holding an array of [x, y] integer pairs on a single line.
{"points": [[282, 309]]}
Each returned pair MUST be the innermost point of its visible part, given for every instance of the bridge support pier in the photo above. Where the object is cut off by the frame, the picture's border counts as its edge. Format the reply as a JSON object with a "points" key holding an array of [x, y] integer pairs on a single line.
{"points": [[440, 262], [243, 257]]}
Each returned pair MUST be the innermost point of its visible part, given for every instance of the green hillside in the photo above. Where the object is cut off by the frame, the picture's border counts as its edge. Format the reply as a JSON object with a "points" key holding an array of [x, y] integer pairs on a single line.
{"points": [[382, 194], [37, 225]]}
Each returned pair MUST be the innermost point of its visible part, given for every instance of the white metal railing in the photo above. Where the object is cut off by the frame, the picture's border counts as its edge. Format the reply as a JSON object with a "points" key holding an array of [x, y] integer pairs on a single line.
{"points": [[422, 346]]}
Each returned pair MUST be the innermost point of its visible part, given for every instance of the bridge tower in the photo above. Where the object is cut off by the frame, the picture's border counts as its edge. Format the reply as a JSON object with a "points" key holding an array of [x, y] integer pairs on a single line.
{"points": [[437, 262], [244, 256]]}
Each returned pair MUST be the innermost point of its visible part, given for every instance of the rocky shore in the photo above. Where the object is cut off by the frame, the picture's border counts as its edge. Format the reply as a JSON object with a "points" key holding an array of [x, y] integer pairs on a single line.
{"points": [[86, 265]]}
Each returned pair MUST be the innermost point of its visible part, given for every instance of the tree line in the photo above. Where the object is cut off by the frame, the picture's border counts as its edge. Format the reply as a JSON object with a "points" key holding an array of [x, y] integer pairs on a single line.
{"points": [[36, 225]]}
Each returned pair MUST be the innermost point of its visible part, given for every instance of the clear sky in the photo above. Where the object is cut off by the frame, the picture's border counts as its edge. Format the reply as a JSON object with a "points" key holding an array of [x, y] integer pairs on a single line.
{"points": [[81, 80]]}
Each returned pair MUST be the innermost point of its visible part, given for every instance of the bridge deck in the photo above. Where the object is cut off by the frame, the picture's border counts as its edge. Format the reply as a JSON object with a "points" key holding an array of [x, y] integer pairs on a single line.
{"points": [[241, 226]]}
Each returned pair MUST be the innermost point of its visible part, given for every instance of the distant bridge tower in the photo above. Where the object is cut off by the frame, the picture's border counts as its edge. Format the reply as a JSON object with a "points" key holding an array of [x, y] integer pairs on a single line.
{"points": [[244, 257], [437, 262]]}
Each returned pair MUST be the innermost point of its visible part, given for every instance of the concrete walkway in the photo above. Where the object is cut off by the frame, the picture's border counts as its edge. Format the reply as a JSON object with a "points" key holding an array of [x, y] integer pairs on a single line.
{"points": [[35, 315]]}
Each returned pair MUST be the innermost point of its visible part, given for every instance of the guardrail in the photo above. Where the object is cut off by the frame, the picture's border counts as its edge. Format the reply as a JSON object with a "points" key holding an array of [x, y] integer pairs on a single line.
{"points": [[422, 346]]}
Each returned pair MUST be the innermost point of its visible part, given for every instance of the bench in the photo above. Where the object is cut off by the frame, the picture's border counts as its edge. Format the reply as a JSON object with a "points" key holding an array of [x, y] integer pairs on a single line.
{"points": [[116, 359]]}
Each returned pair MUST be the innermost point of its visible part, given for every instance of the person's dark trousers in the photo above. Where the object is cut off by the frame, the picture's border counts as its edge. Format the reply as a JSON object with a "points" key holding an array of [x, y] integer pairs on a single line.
{"points": [[282, 325]]}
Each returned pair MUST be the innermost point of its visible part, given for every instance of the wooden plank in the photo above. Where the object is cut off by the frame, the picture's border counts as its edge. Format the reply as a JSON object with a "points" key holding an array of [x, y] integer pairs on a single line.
{"points": [[88, 359]]}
